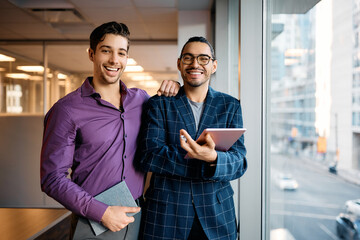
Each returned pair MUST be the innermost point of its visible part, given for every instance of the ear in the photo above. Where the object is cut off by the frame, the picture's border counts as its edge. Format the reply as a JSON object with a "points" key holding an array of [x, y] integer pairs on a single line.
{"points": [[91, 54], [214, 67], [178, 64]]}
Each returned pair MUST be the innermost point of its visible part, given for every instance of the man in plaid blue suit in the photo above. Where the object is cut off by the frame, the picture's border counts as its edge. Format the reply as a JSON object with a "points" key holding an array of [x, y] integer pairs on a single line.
{"points": [[190, 198]]}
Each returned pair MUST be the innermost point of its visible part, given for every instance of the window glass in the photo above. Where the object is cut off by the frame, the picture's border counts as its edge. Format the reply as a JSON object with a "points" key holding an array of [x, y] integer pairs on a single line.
{"points": [[22, 76], [314, 77], [69, 65], [21, 87]]}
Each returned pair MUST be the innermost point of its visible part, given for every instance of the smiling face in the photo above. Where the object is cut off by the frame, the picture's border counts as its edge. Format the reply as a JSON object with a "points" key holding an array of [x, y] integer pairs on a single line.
{"points": [[109, 59], [194, 74]]}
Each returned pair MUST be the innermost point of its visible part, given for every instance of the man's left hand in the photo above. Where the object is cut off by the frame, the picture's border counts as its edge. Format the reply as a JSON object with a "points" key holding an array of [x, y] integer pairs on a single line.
{"points": [[168, 88], [205, 151]]}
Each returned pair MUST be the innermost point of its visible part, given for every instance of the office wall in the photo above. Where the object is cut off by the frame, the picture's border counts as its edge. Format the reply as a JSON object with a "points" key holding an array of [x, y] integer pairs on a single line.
{"points": [[251, 57], [20, 145]]}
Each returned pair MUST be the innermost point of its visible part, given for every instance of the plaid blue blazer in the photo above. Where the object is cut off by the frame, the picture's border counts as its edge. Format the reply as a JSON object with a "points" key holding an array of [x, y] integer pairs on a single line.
{"points": [[179, 186]]}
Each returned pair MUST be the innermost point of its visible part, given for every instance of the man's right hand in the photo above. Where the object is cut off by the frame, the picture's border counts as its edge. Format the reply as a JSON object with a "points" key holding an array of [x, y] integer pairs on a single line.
{"points": [[169, 88], [204, 150], [115, 217]]}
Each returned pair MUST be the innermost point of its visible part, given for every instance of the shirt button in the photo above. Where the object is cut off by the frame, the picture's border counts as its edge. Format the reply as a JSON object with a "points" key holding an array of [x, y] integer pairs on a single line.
{"points": [[124, 178], [125, 156], [125, 135]]}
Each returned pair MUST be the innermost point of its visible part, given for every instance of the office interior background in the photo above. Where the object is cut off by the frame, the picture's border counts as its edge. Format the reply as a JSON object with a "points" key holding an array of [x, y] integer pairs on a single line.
{"points": [[294, 65]]}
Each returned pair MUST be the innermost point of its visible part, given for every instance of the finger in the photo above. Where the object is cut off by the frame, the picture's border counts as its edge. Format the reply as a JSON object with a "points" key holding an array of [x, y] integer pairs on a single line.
{"points": [[209, 141], [131, 219], [184, 144], [172, 90], [184, 133], [190, 152], [184, 140], [192, 144], [132, 209], [162, 87], [168, 88]]}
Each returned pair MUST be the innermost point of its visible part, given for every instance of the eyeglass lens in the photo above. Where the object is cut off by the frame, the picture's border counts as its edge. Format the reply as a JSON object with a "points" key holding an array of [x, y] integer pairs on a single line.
{"points": [[201, 59]]}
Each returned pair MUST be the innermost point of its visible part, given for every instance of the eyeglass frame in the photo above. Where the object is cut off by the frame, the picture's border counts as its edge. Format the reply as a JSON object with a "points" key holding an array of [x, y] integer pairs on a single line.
{"points": [[193, 57]]}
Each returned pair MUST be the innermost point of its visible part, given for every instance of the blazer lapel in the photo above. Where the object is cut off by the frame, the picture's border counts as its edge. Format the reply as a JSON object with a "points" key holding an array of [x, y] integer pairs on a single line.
{"points": [[209, 112], [185, 112]]}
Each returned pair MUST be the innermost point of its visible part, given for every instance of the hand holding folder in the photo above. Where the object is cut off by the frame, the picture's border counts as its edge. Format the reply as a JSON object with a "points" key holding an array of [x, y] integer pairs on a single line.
{"points": [[118, 195], [117, 218]]}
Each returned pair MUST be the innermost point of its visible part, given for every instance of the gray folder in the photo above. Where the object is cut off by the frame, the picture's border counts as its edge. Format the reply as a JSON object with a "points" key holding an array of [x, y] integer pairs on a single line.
{"points": [[118, 195]]}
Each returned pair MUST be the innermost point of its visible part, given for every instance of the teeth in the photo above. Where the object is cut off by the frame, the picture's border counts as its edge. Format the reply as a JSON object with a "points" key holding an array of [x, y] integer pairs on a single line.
{"points": [[197, 73], [111, 69]]}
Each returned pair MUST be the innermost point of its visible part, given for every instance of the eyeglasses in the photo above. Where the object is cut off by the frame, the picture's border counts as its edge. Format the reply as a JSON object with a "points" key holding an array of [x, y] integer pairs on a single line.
{"points": [[202, 59]]}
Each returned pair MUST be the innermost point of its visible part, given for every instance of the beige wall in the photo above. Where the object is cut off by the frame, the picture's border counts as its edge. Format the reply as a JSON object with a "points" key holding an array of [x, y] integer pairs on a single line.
{"points": [[20, 146]]}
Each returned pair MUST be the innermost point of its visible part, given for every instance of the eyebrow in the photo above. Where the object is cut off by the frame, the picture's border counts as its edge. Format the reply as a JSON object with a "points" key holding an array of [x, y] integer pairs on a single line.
{"points": [[201, 54], [107, 46]]}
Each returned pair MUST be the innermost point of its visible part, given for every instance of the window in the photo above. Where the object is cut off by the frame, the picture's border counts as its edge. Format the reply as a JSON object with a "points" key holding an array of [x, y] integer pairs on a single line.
{"points": [[22, 79], [21, 85], [314, 115]]}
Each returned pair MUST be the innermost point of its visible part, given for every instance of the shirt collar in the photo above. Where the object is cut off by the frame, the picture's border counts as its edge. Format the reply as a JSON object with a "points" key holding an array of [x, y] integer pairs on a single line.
{"points": [[210, 94], [88, 90], [123, 88]]}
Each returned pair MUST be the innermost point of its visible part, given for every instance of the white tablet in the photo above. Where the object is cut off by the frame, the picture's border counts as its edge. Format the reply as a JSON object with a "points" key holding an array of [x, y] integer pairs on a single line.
{"points": [[224, 138]]}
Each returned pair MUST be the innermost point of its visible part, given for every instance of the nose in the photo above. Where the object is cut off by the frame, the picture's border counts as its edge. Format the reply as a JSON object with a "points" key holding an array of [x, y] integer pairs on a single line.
{"points": [[195, 63], [114, 58]]}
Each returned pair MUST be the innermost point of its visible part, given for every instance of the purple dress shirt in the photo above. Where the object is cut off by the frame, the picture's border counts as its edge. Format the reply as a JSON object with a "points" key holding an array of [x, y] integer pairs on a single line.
{"points": [[97, 141]]}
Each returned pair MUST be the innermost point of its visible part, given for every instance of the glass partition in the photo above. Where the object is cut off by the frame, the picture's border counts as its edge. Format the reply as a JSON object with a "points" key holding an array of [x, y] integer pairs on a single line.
{"points": [[314, 119], [21, 85], [22, 76], [69, 65]]}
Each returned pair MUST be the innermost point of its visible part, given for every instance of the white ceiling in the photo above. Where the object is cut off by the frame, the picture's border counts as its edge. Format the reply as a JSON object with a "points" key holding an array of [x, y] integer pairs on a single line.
{"points": [[153, 26]]}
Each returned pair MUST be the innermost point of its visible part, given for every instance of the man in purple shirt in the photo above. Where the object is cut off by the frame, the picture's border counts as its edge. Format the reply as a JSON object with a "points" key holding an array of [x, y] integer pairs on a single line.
{"points": [[93, 131]]}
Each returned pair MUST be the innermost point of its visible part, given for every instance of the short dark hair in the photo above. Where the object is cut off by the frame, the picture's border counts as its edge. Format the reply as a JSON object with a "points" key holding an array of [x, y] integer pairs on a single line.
{"points": [[108, 28], [199, 39]]}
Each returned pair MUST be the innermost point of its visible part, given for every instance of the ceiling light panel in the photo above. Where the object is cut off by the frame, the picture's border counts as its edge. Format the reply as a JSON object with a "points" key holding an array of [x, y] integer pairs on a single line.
{"points": [[38, 69], [81, 4], [131, 62], [134, 69], [17, 75], [42, 4], [60, 15], [156, 3], [4, 58]]}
